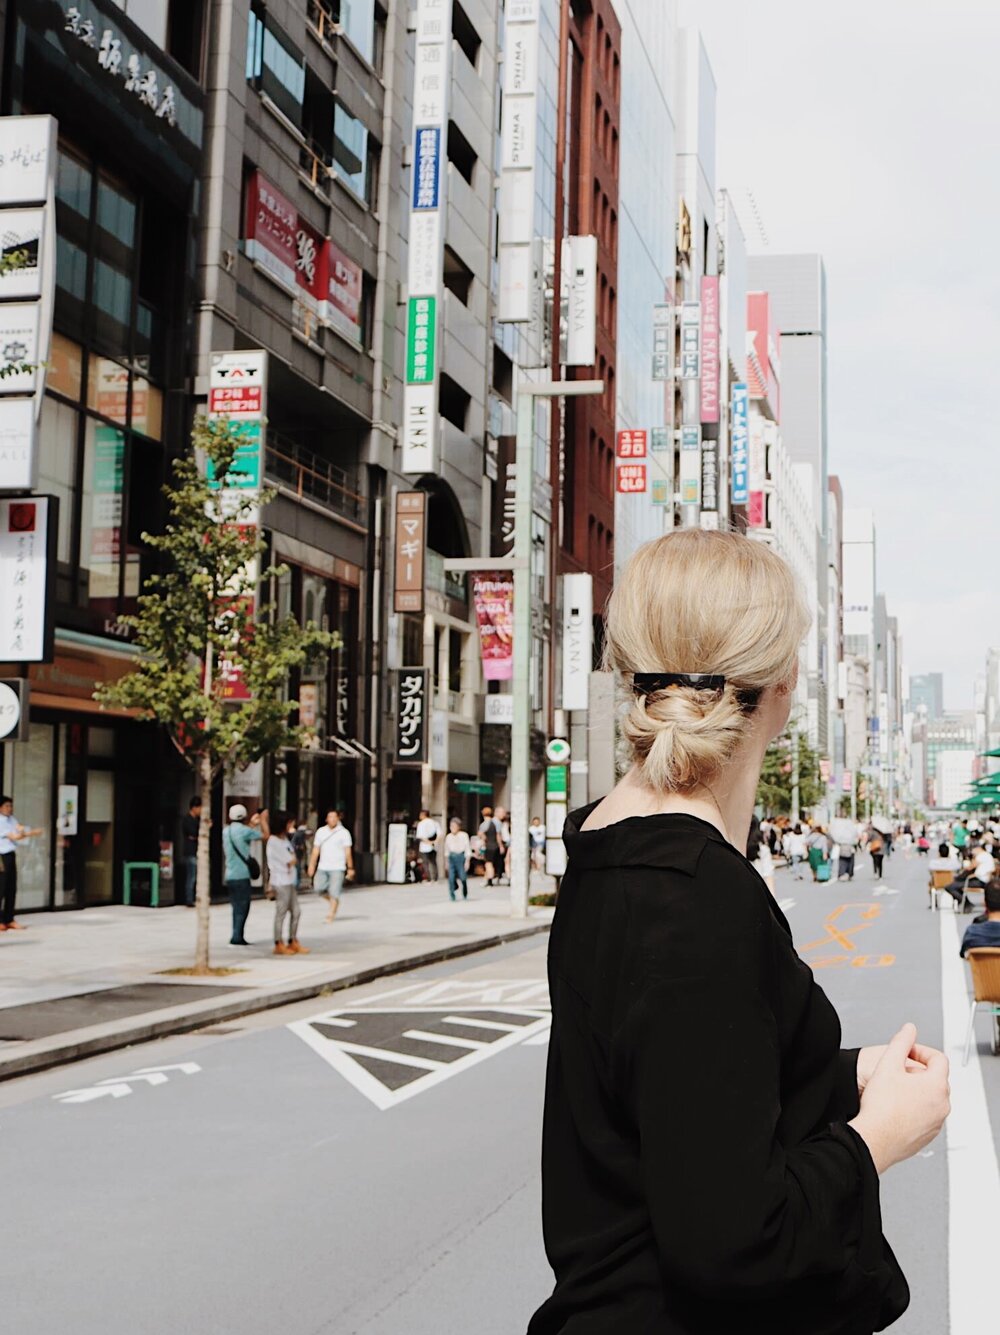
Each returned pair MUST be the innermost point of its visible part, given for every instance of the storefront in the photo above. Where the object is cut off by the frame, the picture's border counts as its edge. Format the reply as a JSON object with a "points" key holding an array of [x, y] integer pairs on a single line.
{"points": [[98, 784]]}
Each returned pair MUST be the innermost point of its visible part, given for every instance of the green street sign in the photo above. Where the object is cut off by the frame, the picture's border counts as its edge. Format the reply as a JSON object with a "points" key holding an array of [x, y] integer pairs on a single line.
{"points": [[556, 785], [421, 329], [473, 786]]}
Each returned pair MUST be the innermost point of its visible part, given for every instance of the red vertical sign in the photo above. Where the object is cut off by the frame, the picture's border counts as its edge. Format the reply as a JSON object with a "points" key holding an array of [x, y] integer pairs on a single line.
{"points": [[709, 348]]}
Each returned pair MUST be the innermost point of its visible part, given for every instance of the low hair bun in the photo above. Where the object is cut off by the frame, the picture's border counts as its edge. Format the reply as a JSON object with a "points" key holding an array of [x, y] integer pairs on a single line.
{"points": [[682, 736]]}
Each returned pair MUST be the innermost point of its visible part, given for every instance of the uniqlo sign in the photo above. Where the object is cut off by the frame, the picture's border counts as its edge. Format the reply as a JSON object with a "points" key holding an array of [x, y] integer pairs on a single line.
{"points": [[631, 445], [631, 478]]}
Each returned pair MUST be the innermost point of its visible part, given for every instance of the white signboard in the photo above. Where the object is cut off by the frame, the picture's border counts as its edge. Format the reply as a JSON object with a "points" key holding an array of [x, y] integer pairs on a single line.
{"points": [[499, 709], [578, 640], [395, 853], [24, 579], [27, 157], [17, 444], [68, 809], [19, 347], [579, 285], [22, 234], [247, 782], [517, 176]]}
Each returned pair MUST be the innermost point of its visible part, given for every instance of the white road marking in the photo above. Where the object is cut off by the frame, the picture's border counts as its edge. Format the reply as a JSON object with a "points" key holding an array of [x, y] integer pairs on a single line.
{"points": [[506, 993], [423, 1036], [390, 1055], [973, 1174], [483, 1024], [120, 1086], [786, 904]]}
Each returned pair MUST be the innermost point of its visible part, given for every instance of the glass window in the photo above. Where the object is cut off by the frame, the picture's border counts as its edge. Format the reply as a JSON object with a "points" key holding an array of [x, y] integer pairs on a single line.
{"points": [[28, 776], [113, 291], [255, 47], [115, 212], [357, 18], [65, 371], [350, 150], [147, 408], [57, 437], [73, 183], [71, 268], [107, 389], [283, 76], [101, 517], [150, 16]]}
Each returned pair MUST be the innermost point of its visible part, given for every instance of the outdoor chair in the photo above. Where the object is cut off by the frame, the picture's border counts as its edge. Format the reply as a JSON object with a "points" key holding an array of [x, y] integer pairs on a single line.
{"points": [[938, 885], [985, 963]]}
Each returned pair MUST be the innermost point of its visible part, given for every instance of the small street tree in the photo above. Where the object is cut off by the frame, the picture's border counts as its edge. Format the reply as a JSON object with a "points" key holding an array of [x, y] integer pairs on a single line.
{"points": [[215, 655], [774, 792]]}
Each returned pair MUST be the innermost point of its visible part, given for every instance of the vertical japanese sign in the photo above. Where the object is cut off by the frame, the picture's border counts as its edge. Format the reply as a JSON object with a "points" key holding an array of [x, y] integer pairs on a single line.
{"points": [[630, 479], [690, 465], [709, 348], [740, 455], [27, 177], [27, 561], [411, 716], [578, 640], [516, 264], [631, 443], [237, 392], [663, 341], [493, 598], [410, 547], [425, 259], [690, 340], [709, 475], [579, 300]]}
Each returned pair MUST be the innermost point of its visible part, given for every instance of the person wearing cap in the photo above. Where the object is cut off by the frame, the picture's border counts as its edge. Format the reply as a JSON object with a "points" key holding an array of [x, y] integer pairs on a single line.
{"points": [[238, 840]]}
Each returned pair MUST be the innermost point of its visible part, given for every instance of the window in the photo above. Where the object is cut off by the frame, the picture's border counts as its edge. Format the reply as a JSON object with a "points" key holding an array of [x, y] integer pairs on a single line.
{"points": [[453, 401], [275, 66], [57, 466], [175, 26], [461, 153], [465, 34], [352, 159], [457, 276], [357, 18]]}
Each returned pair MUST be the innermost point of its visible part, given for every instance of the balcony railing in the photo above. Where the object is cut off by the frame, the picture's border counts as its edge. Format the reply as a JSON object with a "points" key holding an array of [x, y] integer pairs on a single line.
{"points": [[324, 18], [306, 475]]}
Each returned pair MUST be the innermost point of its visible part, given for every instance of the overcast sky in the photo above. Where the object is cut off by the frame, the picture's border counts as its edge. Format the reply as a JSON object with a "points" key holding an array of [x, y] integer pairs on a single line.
{"points": [[869, 132]]}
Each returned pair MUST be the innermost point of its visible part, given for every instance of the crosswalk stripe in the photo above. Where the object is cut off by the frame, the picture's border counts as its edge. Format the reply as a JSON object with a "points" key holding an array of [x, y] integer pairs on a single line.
{"points": [[425, 1036], [482, 1024]]}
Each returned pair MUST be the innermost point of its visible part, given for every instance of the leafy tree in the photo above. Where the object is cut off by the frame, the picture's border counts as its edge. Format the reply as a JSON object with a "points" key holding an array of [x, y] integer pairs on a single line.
{"points": [[212, 673], [774, 792]]}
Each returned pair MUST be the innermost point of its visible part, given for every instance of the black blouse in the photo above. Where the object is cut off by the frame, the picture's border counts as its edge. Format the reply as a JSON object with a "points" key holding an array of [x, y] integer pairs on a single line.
{"points": [[698, 1177]]}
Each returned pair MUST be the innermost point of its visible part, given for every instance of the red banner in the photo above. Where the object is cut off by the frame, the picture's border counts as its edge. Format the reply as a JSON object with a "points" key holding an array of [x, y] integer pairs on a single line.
{"points": [[343, 289], [631, 478], [271, 224], [709, 348], [493, 595]]}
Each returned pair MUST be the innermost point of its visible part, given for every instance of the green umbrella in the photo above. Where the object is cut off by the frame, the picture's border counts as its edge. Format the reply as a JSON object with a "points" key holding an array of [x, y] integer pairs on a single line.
{"points": [[991, 753]]}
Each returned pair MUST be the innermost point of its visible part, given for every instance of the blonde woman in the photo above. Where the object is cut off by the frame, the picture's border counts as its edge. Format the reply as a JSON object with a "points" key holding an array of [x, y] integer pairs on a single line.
{"points": [[711, 1158]]}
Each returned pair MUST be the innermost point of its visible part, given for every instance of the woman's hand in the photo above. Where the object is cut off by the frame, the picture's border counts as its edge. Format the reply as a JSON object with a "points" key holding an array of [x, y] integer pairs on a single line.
{"points": [[905, 1101], [869, 1058]]}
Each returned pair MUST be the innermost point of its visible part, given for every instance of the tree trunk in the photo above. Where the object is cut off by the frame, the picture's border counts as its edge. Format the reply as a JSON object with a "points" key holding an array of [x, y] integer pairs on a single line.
{"points": [[201, 952]]}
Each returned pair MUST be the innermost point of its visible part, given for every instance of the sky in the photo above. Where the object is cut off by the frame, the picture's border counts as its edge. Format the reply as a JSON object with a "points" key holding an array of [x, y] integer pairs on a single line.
{"points": [[868, 132]]}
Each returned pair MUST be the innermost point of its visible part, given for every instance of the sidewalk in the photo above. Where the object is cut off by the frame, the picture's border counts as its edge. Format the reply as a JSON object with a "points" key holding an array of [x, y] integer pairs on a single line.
{"points": [[78, 983]]}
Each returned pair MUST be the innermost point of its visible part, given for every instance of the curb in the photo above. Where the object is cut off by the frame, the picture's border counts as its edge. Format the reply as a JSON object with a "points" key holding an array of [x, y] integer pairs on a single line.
{"points": [[74, 1045]]}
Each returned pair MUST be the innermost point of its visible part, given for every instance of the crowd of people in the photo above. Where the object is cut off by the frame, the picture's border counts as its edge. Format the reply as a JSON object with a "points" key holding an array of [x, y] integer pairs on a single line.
{"points": [[485, 853], [828, 852]]}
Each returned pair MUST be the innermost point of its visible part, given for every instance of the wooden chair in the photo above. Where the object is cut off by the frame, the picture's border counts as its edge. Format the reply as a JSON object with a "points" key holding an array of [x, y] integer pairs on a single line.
{"points": [[938, 884], [985, 963]]}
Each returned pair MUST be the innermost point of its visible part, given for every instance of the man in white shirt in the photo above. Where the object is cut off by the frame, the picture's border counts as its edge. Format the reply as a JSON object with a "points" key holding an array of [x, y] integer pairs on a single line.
{"points": [[332, 860], [983, 870], [11, 834], [428, 835]]}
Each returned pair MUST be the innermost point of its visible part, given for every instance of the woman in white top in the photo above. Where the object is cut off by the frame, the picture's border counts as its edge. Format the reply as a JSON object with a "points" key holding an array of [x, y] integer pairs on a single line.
{"points": [[283, 874], [795, 850], [458, 851]]}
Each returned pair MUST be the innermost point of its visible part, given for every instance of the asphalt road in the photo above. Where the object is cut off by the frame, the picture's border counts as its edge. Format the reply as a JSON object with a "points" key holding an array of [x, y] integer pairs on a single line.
{"points": [[369, 1164]]}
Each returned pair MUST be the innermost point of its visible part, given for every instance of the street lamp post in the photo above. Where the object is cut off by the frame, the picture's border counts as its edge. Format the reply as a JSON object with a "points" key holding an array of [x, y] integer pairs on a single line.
{"points": [[520, 760]]}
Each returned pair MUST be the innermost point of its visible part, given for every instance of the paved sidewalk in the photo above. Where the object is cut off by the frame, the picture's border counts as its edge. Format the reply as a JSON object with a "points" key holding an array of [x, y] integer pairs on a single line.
{"points": [[77, 983]]}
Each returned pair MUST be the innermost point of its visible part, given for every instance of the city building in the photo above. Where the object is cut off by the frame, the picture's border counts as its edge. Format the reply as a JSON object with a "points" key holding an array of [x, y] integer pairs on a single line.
{"points": [[950, 758], [126, 84], [927, 689]]}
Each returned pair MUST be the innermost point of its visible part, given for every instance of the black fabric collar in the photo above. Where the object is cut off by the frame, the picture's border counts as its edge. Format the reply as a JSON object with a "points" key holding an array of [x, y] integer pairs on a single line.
{"points": [[671, 839]]}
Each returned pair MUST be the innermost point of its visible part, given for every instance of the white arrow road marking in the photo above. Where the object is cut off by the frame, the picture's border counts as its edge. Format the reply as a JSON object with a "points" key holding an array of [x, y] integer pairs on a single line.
{"points": [[118, 1086], [151, 1077], [115, 1091]]}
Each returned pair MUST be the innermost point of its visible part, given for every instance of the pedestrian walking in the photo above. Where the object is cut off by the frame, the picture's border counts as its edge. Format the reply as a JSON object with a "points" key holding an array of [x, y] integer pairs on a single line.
{"points": [[759, 853], [190, 833], [458, 851], [12, 832], [876, 850], [710, 1157], [795, 850], [428, 837], [536, 833], [818, 845], [493, 848], [240, 866], [283, 876], [845, 834], [331, 862], [503, 824]]}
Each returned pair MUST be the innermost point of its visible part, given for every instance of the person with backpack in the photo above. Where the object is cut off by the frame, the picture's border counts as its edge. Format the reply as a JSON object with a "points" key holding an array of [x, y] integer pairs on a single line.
{"points": [[876, 848], [241, 868]]}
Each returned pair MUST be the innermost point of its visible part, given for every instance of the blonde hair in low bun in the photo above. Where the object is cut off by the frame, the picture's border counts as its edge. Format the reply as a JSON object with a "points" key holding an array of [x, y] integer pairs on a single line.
{"points": [[699, 602]]}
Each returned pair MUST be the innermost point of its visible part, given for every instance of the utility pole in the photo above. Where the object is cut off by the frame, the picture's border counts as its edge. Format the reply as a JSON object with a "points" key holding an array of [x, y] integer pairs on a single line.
{"points": [[795, 774], [520, 759]]}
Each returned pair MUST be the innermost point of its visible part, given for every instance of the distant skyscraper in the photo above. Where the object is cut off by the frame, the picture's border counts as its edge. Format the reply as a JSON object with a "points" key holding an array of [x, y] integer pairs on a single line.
{"points": [[928, 690]]}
